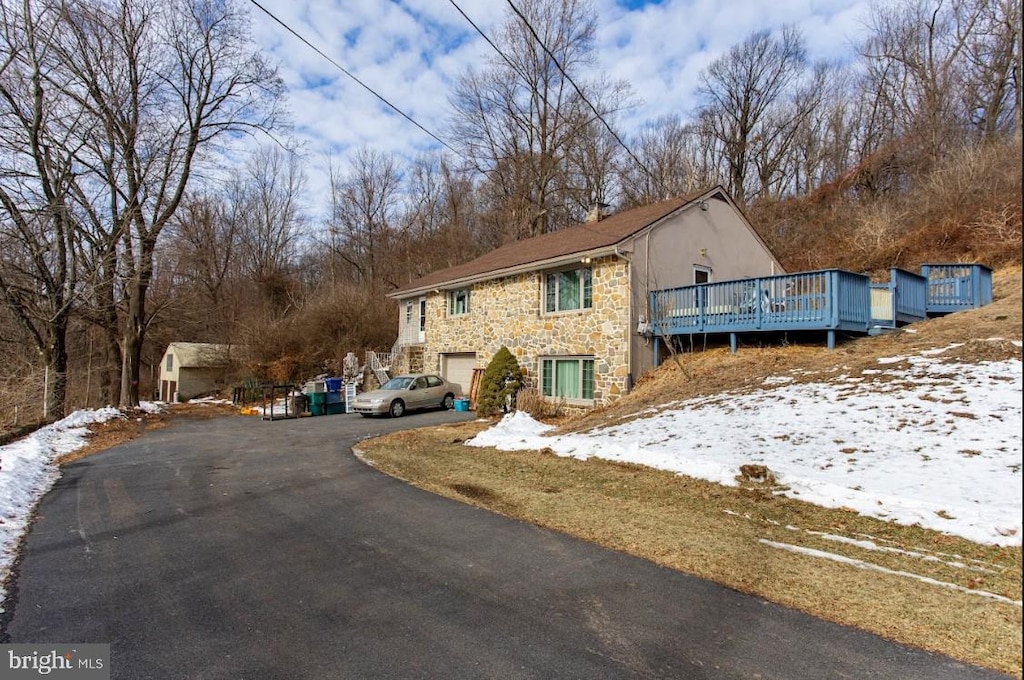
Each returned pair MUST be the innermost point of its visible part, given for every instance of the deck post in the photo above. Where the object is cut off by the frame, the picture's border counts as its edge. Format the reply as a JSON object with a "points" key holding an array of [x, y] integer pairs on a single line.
{"points": [[831, 339], [657, 354], [732, 343]]}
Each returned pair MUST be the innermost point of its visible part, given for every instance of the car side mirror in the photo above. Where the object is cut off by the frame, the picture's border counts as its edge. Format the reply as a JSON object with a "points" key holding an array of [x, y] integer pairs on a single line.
{"points": [[412, 387]]}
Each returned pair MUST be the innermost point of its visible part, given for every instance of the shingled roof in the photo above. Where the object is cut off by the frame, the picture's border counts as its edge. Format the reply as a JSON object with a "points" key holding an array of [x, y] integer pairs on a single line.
{"points": [[202, 354], [577, 240]]}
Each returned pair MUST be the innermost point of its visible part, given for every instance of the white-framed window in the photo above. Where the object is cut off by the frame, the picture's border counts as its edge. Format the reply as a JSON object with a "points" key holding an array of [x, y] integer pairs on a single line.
{"points": [[568, 290], [408, 312], [570, 378], [458, 302], [169, 366], [701, 274]]}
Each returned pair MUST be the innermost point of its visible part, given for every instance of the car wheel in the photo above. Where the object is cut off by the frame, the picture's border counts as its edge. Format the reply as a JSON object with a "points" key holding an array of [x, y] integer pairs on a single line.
{"points": [[448, 403], [397, 408]]}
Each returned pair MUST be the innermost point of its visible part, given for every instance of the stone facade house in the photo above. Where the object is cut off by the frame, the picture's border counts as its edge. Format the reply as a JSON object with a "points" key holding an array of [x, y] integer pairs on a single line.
{"points": [[572, 305]]}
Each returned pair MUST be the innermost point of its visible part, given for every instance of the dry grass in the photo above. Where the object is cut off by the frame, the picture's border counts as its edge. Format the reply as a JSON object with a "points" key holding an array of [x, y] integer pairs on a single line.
{"points": [[968, 208], [718, 532]]}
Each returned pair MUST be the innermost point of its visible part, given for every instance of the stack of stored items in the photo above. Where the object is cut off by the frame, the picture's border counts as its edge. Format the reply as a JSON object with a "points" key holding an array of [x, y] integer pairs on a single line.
{"points": [[325, 396]]}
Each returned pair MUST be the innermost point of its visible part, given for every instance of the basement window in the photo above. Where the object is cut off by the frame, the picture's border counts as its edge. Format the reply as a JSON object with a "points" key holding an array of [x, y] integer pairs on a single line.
{"points": [[569, 378]]}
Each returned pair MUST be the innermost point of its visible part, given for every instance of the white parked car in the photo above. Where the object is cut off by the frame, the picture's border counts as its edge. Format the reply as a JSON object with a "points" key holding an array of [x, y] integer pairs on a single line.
{"points": [[406, 393]]}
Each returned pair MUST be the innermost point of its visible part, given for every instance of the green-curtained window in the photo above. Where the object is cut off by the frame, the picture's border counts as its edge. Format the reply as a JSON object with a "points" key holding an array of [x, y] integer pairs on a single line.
{"points": [[568, 290], [568, 378]]}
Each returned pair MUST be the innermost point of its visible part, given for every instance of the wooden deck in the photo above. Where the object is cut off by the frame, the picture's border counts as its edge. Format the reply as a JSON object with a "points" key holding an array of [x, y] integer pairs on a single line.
{"points": [[956, 287], [829, 300]]}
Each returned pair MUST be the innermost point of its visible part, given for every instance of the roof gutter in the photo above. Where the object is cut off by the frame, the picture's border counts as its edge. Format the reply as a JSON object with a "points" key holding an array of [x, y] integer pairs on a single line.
{"points": [[508, 271]]}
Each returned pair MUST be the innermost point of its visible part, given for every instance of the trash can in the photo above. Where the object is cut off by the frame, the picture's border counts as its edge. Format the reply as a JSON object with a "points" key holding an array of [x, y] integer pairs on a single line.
{"points": [[333, 384], [299, 404], [335, 404], [462, 404], [317, 401]]}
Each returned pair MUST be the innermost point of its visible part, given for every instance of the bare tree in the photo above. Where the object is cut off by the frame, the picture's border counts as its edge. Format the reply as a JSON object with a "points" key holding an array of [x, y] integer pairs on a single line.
{"points": [[160, 82], [365, 203], [944, 71], [991, 91], [825, 136], [38, 267], [668, 148], [204, 245], [590, 169], [523, 123], [266, 204], [741, 93], [442, 215]]}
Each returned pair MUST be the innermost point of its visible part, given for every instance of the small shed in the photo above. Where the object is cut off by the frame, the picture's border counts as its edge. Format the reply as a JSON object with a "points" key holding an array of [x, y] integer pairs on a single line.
{"points": [[190, 369]]}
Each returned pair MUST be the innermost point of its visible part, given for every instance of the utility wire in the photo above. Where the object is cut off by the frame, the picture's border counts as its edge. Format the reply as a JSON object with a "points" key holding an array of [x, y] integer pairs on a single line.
{"points": [[497, 49], [350, 75], [533, 32]]}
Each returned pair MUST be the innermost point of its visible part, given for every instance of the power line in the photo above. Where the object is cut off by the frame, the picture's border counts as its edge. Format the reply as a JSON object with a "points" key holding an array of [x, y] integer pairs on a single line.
{"points": [[558, 65], [353, 77], [497, 49]]}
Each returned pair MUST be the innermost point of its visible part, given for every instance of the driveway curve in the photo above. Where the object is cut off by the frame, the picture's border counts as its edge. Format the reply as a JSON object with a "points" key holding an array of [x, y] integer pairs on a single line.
{"points": [[240, 548]]}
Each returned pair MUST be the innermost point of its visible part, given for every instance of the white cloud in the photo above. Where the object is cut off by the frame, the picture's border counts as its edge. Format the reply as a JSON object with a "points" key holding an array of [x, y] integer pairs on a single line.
{"points": [[412, 52]]}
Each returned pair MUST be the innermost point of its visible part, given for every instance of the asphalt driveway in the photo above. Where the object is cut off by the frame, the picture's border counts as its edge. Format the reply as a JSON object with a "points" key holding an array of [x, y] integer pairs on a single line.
{"points": [[240, 548]]}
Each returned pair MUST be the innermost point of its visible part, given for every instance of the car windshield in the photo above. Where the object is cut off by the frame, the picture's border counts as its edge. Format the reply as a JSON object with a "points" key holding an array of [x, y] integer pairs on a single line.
{"points": [[399, 383]]}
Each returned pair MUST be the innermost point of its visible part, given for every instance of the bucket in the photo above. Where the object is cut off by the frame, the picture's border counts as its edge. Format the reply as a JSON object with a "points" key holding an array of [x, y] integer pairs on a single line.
{"points": [[462, 404]]}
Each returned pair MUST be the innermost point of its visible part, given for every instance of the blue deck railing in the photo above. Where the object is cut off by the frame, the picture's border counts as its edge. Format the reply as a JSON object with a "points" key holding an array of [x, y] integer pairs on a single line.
{"points": [[955, 287], [901, 300], [829, 300]]}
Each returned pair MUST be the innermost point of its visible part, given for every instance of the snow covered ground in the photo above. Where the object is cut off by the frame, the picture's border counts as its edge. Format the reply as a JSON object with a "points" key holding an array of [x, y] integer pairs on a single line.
{"points": [[914, 441]]}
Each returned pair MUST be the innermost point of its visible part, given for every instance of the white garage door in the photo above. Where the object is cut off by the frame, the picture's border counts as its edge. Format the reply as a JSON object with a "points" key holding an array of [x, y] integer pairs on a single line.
{"points": [[458, 368]]}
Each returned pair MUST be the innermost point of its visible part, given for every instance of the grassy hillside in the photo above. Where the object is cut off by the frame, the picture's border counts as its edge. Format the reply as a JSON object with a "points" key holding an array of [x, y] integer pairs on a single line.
{"points": [[966, 210]]}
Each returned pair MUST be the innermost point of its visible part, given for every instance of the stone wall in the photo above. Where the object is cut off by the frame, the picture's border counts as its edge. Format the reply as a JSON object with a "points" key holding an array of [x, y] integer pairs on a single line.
{"points": [[507, 311]]}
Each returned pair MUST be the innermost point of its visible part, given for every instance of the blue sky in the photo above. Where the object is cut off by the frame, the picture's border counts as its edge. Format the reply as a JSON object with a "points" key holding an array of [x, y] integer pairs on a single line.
{"points": [[412, 51]]}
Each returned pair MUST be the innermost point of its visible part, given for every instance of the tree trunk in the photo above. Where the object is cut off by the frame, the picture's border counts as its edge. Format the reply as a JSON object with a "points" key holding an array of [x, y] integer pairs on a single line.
{"points": [[110, 374], [134, 327], [131, 358], [57, 361]]}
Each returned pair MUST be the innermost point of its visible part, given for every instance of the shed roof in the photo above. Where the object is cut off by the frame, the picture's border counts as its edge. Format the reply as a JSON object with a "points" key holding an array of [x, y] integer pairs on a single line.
{"points": [[202, 354], [582, 239]]}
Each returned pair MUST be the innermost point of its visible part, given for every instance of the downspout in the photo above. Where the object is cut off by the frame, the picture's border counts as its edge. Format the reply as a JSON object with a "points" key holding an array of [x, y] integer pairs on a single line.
{"points": [[629, 323]]}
